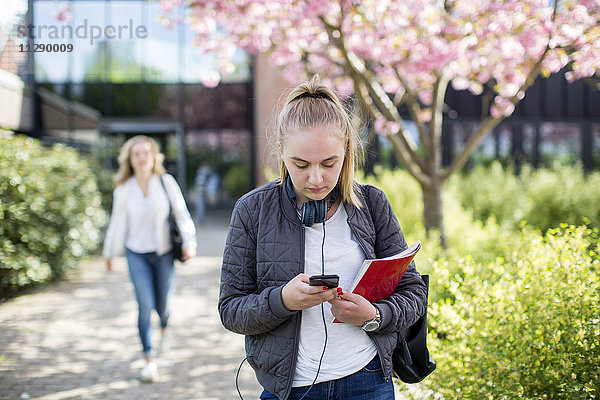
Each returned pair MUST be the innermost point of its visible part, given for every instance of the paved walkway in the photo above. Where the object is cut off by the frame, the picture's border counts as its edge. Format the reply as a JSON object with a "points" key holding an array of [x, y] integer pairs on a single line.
{"points": [[78, 339]]}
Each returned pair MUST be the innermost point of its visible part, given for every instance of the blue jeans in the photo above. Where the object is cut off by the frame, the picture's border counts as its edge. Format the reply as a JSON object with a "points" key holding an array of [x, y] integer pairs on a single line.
{"points": [[152, 277], [366, 384]]}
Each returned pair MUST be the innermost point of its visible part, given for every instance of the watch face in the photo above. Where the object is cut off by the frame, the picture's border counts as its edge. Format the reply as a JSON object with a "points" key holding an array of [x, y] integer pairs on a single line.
{"points": [[371, 326]]}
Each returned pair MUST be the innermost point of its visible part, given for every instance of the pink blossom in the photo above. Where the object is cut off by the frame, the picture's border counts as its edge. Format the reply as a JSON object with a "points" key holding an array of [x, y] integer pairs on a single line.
{"points": [[168, 5], [226, 67], [476, 88], [385, 127], [508, 89], [211, 79], [170, 23], [570, 76], [555, 61], [425, 114], [481, 42], [426, 96], [502, 107], [64, 14], [344, 85], [460, 83]]}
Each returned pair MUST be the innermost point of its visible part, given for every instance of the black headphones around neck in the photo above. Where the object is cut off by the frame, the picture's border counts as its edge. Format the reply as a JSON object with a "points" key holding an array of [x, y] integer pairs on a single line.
{"points": [[313, 211]]}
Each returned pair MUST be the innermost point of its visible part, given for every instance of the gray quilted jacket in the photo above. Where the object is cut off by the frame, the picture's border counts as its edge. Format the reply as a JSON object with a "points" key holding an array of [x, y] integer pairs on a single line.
{"points": [[265, 249]]}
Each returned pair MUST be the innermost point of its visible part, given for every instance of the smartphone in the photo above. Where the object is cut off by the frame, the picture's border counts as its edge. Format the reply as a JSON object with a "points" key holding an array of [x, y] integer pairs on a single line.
{"points": [[331, 281]]}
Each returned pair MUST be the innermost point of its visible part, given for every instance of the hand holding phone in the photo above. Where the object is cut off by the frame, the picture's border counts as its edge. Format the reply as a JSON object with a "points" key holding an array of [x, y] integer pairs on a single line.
{"points": [[331, 281]]}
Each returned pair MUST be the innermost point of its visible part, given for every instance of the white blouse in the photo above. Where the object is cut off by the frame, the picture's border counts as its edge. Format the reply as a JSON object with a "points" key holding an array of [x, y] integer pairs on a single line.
{"points": [[140, 222]]}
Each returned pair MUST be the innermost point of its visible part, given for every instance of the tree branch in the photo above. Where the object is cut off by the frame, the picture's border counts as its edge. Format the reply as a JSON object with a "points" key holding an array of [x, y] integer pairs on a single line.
{"points": [[437, 117], [592, 82], [491, 122], [414, 169], [399, 97], [356, 69], [487, 125], [415, 109]]}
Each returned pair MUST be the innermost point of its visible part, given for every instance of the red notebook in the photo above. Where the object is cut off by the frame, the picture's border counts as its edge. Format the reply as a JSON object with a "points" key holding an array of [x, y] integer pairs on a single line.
{"points": [[378, 278]]}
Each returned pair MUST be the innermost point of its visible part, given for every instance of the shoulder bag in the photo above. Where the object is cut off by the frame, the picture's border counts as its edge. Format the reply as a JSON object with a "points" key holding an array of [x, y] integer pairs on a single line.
{"points": [[411, 359], [174, 234]]}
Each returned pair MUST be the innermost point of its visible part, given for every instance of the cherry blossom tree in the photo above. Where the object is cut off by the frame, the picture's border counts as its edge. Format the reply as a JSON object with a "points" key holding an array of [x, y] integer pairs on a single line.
{"points": [[390, 53]]}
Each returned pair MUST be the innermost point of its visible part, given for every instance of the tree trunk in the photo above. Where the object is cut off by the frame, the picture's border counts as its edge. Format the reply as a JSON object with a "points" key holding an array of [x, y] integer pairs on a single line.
{"points": [[432, 208]]}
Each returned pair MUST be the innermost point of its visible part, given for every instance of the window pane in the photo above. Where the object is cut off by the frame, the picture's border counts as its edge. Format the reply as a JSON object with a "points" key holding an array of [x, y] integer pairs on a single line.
{"points": [[161, 59], [51, 66], [560, 142], [225, 106], [89, 61], [122, 41], [126, 34]]}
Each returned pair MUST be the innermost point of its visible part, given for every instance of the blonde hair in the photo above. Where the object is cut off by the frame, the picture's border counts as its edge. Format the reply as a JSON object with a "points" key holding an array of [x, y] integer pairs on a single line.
{"points": [[313, 104], [126, 170]]}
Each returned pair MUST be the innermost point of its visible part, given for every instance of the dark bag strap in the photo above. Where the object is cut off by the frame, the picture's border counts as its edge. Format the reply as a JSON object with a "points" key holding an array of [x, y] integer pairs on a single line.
{"points": [[176, 239], [168, 198], [411, 359]]}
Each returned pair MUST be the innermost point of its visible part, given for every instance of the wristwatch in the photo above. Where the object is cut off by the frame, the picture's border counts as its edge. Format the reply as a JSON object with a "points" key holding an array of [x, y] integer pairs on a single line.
{"points": [[373, 324]]}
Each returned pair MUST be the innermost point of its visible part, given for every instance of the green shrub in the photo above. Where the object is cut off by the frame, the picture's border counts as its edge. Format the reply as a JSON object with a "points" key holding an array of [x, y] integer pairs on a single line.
{"points": [[104, 180], [562, 195], [525, 327], [236, 181], [544, 198], [50, 211], [491, 191]]}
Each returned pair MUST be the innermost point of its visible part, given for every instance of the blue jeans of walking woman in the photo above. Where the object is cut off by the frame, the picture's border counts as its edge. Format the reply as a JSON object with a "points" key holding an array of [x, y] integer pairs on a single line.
{"points": [[152, 277], [366, 384]]}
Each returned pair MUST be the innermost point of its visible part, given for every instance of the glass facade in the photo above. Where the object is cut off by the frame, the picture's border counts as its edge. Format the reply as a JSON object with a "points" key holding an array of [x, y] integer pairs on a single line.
{"points": [[123, 59], [120, 41]]}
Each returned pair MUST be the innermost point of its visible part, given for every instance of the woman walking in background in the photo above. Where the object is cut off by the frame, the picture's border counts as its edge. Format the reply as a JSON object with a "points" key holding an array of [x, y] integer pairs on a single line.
{"points": [[315, 220], [139, 230]]}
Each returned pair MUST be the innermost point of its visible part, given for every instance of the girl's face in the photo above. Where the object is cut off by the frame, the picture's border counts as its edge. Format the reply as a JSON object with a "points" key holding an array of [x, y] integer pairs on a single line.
{"points": [[314, 158], [141, 157]]}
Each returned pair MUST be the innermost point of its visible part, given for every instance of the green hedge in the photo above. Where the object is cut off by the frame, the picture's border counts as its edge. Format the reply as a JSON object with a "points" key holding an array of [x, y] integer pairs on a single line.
{"points": [[50, 211], [544, 198], [525, 327]]}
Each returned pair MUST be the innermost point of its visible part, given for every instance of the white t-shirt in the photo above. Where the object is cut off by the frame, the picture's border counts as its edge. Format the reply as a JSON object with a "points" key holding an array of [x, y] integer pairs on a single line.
{"points": [[348, 347]]}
